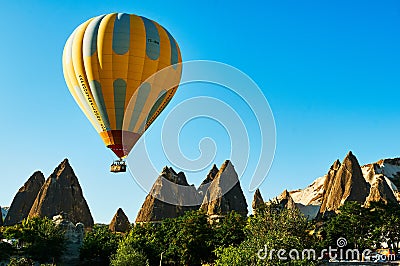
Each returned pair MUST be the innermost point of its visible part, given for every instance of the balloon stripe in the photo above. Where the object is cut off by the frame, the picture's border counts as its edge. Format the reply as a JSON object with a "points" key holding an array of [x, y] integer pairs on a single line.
{"points": [[174, 50], [119, 99], [141, 98], [120, 65], [80, 74], [152, 39], [137, 54], [72, 83], [121, 34], [157, 104], [98, 97], [164, 79], [104, 44], [92, 66], [90, 37], [150, 67]]}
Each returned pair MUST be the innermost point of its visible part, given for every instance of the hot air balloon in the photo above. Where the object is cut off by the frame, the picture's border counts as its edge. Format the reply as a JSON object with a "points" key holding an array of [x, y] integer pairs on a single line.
{"points": [[107, 62]]}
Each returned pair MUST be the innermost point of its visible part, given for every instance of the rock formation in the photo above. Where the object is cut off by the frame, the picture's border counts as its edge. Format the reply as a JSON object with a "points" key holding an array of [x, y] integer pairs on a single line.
{"points": [[344, 183], [380, 192], [258, 201], [1, 216], [24, 199], [171, 196], [224, 193], [286, 201], [206, 182], [62, 193], [387, 171], [120, 222], [73, 239]]}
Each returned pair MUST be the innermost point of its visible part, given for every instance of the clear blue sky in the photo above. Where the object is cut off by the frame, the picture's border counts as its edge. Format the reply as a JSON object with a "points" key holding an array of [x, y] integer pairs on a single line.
{"points": [[329, 69]]}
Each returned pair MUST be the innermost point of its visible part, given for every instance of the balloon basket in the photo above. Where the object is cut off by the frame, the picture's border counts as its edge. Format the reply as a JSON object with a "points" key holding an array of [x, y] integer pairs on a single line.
{"points": [[118, 167]]}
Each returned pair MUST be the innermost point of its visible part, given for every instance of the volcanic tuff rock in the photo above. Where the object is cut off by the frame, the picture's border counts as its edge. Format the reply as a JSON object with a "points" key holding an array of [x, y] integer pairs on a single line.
{"points": [[169, 188], [62, 193], [380, 191], [224, 193], [120, 222], [347, 183], [389, 170], [380, 179], [207, 181], [24, 199], [286, 201], [258, 200], [74, 235]]}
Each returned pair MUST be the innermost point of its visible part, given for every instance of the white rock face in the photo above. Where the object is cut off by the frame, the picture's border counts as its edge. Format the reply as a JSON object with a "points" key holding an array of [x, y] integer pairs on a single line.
{"points": [[309, 199], [311, 195], [389, 168]]}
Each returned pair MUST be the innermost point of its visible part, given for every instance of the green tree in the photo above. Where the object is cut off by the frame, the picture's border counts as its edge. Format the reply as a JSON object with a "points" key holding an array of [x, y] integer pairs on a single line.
{"points": [[355, 223], [6, 250], [386, 223], [40, 239], [229, 230], [98, 246], [146, 239], [190, 238], [271, 229], [128, 256], [20, 262]]}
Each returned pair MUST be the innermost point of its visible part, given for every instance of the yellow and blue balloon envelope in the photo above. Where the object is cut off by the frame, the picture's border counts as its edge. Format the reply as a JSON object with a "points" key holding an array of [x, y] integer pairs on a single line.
{"points": [[108, 62]]}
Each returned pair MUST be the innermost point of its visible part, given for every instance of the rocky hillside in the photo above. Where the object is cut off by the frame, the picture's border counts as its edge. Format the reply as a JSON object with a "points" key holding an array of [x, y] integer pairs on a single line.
{"points": [[169, 187], [348, 181], [224, 193], [24, 199], [62, 193], [344, 183], [218, 194]]}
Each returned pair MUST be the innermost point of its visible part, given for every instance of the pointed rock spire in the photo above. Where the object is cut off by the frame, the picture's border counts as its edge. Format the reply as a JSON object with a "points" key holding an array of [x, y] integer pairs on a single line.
{"points": [[62, 193], [170, 187], [335, 166], [120, 222], [24, 199], [286, 201], [347, 183], [207, 181], [224, 193], [258, 200]]}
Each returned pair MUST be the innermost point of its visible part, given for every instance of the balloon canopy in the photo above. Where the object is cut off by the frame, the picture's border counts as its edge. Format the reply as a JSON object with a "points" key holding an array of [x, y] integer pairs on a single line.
{"points": [[109, 62]]}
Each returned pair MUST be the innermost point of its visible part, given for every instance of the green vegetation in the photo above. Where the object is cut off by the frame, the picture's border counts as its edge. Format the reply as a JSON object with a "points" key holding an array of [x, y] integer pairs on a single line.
{"points": [[364, 227], [194, 239], [37, 239], [98, 245], [272, 228]]}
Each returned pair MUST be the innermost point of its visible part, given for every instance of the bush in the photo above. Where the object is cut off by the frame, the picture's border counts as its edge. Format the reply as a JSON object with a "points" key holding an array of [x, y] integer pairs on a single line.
{"points": [[273, 228], [98, 246], [40, 238], [126, 255]]}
